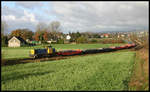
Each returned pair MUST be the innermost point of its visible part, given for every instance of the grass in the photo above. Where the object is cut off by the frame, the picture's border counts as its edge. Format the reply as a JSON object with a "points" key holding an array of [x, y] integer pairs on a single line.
{"points": [[140, 77], [23, 52], [109, 71]]}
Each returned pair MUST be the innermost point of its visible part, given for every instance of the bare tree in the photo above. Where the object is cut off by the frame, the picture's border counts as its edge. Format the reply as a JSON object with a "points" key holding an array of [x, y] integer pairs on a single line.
{"points": [[54, 26], [41, 27], [3, 27]]}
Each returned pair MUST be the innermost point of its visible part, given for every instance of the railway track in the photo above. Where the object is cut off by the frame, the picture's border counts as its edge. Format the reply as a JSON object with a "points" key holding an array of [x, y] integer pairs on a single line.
{"points": [[32, 60]]}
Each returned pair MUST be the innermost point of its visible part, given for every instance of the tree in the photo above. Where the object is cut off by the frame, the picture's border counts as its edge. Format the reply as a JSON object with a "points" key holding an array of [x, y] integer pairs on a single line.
{"points": [[16, 33], [36, 37], [54, 26], [45, 36], [4, 41], [78, 34], [29, 34], [81, 39], [3, 27], [23, 33], [4, 38], [41, 27]]}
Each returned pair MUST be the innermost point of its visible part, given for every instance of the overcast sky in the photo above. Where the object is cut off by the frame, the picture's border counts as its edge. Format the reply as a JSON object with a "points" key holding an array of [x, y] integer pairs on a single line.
{"points": [[77, 16]]}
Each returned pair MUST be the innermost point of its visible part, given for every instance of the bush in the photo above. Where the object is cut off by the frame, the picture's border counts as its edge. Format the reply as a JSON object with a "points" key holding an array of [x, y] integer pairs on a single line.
{"points": [[4, 41], [94, 41], [111, 41], [60, 41], [81, 39]]}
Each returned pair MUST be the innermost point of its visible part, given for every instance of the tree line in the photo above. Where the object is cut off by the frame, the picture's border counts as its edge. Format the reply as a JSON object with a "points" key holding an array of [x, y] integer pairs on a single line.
{"points": [[43, 33], [50, 32]]}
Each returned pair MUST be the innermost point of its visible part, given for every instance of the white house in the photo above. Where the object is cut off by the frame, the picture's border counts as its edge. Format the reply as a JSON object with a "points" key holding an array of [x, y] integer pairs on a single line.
{"points": [[68, 37], [16, 42]]}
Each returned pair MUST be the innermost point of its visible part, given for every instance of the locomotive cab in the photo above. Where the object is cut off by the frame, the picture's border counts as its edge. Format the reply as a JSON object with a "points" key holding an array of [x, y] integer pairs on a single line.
{"points": [[50, 50]]}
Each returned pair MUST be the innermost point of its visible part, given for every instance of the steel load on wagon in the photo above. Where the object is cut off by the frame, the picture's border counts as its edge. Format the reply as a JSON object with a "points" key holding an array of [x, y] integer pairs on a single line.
{"points": [[90, 51], [69, 52]]}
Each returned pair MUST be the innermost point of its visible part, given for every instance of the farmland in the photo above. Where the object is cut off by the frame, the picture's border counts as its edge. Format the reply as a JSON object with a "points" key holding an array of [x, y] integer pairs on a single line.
{"points": [[23, 52], [110, 71]]}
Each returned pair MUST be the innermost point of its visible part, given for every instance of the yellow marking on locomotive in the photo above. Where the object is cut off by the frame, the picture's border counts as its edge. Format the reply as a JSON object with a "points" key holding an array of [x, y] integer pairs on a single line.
{"points": [[49, 50], [32, 51]]}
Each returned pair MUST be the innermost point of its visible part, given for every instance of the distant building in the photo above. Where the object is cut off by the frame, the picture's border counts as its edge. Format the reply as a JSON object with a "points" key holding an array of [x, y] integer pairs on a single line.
{"points": [[102, 36], [122, 35], [27, 40], [16, 42], [67, 40], [106, 35], [68, 37], [49, 42]]}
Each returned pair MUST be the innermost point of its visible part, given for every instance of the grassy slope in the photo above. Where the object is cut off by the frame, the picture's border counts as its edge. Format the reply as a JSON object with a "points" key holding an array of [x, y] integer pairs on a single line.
{"points": [[109, 71], [140, 77], [23, 52]]}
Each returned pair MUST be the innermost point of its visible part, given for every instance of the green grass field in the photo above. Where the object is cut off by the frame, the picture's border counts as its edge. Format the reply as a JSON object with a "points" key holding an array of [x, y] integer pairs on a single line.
{"points": [[108, 71], [23, 52]]}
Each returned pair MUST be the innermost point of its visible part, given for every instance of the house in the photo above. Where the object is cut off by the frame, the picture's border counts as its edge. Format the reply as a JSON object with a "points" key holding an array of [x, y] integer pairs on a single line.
{"points": [[122, 35], [16, 42], [102, 36], [51, 41], [68, 37], [67, 40], [28, 40], [105, 35]]}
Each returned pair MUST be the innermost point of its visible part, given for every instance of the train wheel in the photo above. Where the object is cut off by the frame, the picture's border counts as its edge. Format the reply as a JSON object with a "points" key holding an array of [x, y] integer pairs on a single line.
{"points": [[35, 56]]}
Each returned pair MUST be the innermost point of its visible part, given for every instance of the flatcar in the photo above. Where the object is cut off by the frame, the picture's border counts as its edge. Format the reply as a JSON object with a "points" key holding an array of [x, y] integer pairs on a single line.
{"points": [[69, 52]]}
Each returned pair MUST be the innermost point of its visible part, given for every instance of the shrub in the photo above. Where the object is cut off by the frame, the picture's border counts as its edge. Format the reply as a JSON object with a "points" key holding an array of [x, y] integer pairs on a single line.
{"points": [[93, 41], [60, 41], [106, 41], [81, 39], [4, 41]]}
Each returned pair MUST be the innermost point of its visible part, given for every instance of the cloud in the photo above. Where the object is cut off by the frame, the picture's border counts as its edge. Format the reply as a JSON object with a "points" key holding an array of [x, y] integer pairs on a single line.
{"points": [[26, 21], [29, 5], [82, 16], [106, 14]]}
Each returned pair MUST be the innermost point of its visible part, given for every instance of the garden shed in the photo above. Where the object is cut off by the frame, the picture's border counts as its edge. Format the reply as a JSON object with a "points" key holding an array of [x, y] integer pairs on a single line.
{"points": [[16, 42]]}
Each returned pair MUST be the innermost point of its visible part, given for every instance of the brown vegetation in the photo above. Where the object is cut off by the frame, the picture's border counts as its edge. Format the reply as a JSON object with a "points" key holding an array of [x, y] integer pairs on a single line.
{"points": [[140, 78]]}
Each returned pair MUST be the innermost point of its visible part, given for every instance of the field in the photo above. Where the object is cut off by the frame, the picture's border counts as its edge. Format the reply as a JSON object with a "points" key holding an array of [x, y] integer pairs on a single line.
{"points": [[23, 52], [108, 71]]}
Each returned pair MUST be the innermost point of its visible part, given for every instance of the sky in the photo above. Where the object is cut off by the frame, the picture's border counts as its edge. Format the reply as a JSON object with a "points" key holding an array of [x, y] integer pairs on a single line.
{"points": [[76, 15]]}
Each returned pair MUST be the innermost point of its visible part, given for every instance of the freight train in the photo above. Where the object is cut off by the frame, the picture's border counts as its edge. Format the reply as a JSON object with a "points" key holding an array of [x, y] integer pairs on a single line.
{"points": [[49, 51]]}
